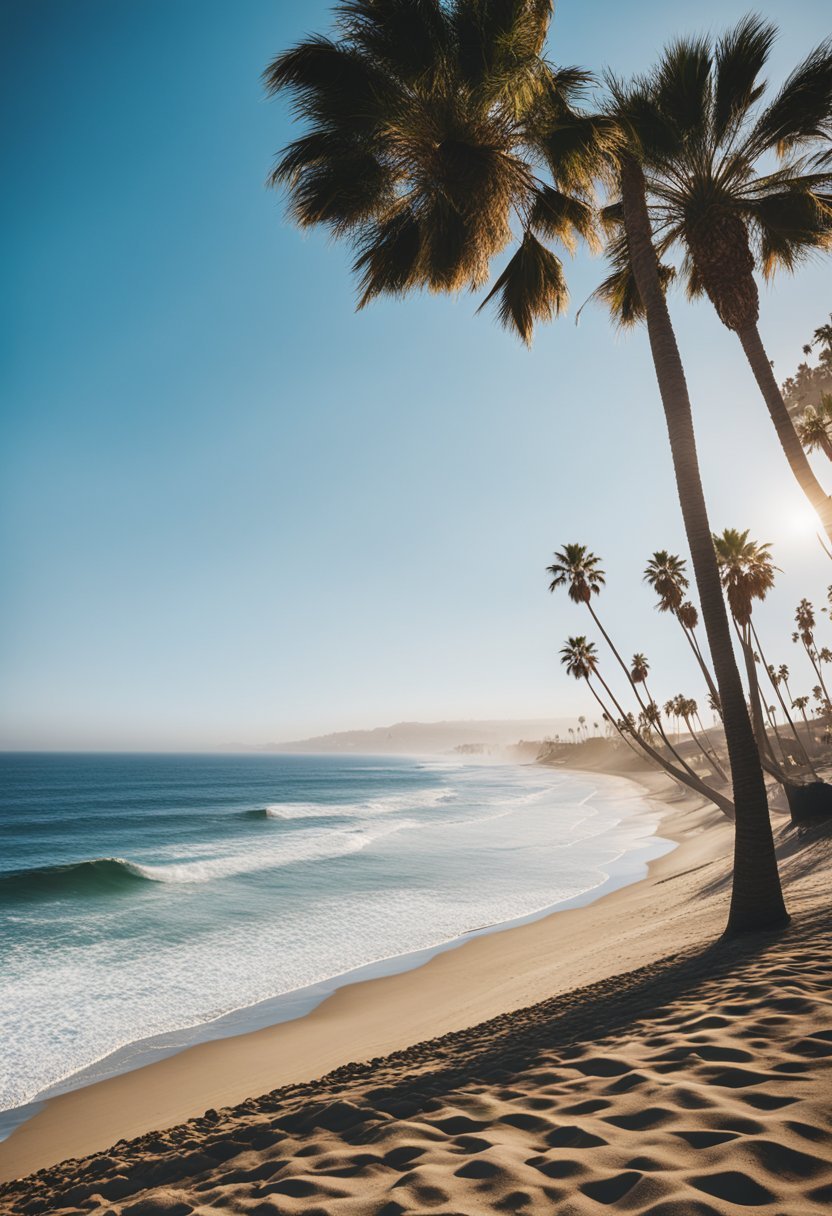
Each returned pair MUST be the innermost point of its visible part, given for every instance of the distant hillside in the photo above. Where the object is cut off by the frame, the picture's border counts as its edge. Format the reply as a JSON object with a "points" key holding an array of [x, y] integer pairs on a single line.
{"points": [[428, 737]]}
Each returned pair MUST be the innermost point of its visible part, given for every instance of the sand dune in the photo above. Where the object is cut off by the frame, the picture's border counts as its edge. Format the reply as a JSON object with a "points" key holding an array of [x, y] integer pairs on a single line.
{"points": [[697, 1085]]}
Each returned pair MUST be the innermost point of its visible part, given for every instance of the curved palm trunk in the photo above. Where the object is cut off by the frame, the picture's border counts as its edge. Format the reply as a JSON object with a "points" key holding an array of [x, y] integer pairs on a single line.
{"points": [[692, 782], [756, 897], [707, 748], [694, 645], [755, 352], [617, 728]]}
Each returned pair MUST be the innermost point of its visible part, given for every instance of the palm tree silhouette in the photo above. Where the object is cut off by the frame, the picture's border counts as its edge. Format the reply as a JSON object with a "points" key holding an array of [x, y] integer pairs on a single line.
{"points": [[707, 148]]}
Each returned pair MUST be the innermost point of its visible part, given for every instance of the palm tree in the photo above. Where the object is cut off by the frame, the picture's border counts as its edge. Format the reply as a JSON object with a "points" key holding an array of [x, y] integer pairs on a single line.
{"points": [[747, 571], [707, 143], [439, 136], [665, 572], [805, 619], [800, 704], [814, 427], [578, 569], [756, 896], [777, 677]]}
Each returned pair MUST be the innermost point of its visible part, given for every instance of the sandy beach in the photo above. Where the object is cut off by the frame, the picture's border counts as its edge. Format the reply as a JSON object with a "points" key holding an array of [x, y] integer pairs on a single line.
{"points": [[612, 1053]]}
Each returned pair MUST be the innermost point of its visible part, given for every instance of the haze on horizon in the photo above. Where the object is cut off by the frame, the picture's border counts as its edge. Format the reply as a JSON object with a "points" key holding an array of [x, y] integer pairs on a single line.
{"points": [[233, 510]]}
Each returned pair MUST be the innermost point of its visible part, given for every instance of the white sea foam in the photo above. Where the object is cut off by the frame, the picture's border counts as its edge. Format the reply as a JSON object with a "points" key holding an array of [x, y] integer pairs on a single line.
{"points": [[411, 801]]}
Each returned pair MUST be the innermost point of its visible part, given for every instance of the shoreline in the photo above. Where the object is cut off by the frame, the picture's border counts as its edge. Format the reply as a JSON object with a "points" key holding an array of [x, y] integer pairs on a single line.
{"points": [[630, 866], [348, 1011]]}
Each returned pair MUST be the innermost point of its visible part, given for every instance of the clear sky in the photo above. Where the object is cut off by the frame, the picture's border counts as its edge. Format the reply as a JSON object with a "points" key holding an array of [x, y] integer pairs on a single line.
{"points": [[234, 510]]}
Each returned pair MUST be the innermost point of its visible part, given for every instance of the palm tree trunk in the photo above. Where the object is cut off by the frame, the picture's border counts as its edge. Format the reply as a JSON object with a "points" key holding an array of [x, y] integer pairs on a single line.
{"points": [[709, 749], [693, 782], [755, 352], [694, 645], [756, 896]]}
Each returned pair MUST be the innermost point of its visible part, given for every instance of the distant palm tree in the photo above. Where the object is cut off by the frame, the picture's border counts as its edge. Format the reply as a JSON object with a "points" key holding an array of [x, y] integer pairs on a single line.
{"points": [[800, 703], [639, 671], [665, 572], [708, 144], [776, 678], [805, 618], [814, 428], [747, 571], [578, 569]]}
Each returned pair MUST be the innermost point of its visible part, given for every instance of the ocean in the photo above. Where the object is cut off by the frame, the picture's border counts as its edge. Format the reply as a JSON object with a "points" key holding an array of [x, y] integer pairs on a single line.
{"points": [[154, 895]]}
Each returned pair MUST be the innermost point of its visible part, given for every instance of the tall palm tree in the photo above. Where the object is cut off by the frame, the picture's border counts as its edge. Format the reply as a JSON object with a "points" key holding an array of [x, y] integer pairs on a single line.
{"points": [[756, 895], [435, 143], [707, 145], [430, 128], [666, 574]]}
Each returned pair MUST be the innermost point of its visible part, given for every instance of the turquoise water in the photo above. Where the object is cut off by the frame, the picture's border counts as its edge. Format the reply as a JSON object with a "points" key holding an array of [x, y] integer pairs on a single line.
{"points": [[143, 894]]}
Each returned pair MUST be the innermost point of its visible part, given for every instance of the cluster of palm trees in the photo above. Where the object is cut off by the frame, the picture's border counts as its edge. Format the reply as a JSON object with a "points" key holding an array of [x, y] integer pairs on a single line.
{"points": [[747, 571], [440, 133]]}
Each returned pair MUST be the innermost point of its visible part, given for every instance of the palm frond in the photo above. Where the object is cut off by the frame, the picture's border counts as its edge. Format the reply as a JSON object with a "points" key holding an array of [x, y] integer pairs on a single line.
{"points": [[332, 83], [802, 110], [681, 85], [562, 217], [531, 288], [341, 191], [740, 56], [412, 37], [790, 226], [618, 291], [388, 259]]}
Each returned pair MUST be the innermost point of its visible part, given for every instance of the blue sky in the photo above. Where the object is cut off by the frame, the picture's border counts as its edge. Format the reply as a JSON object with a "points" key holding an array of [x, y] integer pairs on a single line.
{"points": [[232, 509]]}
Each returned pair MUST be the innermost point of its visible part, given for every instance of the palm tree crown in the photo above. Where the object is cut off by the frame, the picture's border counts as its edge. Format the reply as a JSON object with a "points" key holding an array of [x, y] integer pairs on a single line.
{"points": [[579, 570], [665, 573], [579, 657], [747, 571], [707, 144], [439, 134]]}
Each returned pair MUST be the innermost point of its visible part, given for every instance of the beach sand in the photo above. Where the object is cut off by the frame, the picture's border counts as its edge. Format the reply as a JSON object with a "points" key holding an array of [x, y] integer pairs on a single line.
{"points": [[617, 1055]]}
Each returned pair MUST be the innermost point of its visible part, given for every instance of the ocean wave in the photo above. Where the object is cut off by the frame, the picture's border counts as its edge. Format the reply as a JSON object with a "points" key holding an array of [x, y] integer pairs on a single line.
{"points": [[112, 875], [413, 800]]}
